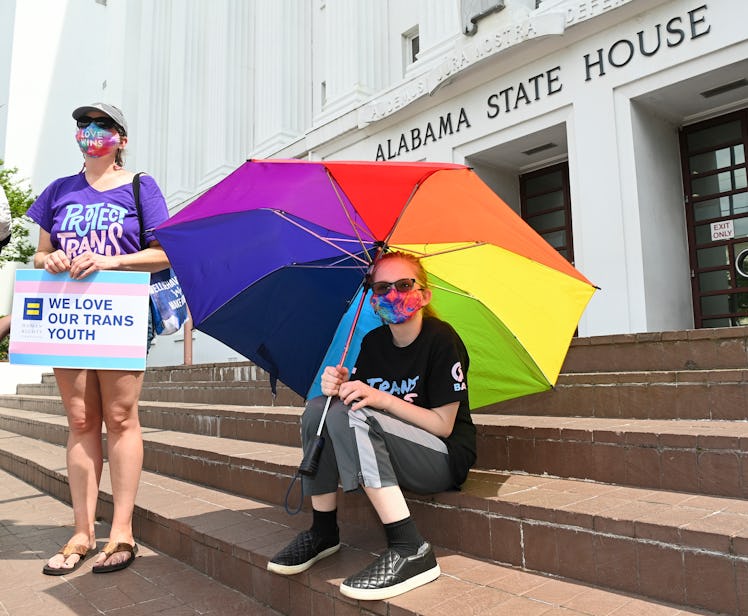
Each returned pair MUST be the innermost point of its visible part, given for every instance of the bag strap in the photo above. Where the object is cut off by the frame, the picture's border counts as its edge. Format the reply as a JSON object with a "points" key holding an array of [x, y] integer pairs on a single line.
{"points": [[136, 194]]}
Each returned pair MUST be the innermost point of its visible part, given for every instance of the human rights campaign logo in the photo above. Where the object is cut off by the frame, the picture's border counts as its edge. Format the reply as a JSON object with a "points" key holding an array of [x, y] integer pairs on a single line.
{"points": [[32, 309]]}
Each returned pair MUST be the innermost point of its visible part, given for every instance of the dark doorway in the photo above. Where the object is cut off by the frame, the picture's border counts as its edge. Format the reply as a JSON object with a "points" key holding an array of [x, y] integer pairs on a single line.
{"points": [[716, 198], [546, 206]]}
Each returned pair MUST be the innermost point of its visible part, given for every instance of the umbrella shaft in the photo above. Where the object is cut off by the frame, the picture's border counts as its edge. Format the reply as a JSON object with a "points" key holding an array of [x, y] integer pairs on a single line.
{"points": [[319, 442], [324, 415], [352, 329]]}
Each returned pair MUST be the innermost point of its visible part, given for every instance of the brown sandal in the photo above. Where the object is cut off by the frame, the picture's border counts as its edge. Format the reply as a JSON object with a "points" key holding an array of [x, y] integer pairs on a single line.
{"points": [[68, 550], [113, 548]]}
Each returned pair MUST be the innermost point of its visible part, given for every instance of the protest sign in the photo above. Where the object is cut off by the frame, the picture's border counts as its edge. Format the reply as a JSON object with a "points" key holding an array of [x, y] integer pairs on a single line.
{"points": [[99, 322]]}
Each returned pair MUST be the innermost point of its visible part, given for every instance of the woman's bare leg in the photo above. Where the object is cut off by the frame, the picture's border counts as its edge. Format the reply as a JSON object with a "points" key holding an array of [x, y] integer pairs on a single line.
{"points": [[120, 392], [79, 390], [4, 327], [389, 503], [325, 502]]}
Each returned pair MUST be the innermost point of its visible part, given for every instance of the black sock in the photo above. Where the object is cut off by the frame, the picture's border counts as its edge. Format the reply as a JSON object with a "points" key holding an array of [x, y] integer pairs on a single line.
{"points": [[403, 537], [325, 523]]}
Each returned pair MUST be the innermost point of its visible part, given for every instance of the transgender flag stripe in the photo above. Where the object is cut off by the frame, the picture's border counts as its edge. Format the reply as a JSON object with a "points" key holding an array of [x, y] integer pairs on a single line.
{"points": [[76, 288], [71, 361], [103, 276], [76, 350]]}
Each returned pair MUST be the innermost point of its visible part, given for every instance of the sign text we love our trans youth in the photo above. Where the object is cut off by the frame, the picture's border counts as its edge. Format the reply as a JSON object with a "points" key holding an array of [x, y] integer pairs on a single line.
{"points": [[78, 318], [99, 322]]}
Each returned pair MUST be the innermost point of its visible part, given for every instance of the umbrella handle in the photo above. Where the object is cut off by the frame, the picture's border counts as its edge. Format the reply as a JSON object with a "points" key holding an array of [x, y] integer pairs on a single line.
{"points": [[310, 463]]}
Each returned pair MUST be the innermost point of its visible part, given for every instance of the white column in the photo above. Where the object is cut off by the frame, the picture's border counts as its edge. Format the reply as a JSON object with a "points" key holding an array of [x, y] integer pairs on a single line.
{"points": [[148, 90], [239, 104], [439, 25], [193, 92], [214, 120], [356, 62], [607, 233], [282, 73]]}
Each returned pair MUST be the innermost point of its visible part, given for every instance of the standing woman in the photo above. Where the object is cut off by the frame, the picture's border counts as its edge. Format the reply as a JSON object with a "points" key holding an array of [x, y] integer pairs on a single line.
{"points": [[5, 219], [401, 420], [89, 222], [5, 224]]}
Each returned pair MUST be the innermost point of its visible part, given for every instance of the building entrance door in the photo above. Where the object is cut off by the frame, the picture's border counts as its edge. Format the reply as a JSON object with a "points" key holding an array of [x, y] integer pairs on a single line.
{"points": [[546, 206], [716, 199]]}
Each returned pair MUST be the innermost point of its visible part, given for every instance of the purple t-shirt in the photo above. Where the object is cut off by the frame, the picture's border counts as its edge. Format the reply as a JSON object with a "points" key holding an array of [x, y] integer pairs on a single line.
{"points": [[81, 219]]}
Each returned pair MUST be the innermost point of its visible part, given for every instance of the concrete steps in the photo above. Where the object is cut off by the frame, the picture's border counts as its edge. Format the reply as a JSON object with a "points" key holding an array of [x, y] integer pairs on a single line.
{"points": [[230, 538], [279, 424], [558, 526], [705, 394], [629, 479], [707, 457], [34, 524], [693, 349], [197, 392], [692, 374]]}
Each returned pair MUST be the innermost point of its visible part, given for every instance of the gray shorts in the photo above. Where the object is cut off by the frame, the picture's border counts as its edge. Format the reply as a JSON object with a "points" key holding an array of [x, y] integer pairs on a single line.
{"points": [[371, 448]]}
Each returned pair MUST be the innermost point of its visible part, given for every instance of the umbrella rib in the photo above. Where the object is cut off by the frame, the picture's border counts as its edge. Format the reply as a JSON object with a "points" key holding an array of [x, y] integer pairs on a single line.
{"points": [[423, 255], [321, 238], [354, 226], [453, 291], [334, 264], [341, 267], [402, 212]]}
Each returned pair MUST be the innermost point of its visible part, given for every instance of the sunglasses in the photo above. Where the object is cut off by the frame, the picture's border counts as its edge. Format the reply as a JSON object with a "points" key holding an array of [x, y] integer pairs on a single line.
{"points": [[103, 122], [403, 286]]}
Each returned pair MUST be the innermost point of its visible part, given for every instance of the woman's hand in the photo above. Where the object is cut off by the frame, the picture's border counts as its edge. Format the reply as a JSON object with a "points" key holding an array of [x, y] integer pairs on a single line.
{"points": [[89, 262], [332, 378], [358, 394], [56, 262]]}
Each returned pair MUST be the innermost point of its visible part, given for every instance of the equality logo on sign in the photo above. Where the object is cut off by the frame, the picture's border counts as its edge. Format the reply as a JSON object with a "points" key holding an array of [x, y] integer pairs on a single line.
{"points": [[32, 309]]}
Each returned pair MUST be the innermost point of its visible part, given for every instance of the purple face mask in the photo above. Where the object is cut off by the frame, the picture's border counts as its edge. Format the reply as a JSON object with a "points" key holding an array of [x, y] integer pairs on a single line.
{"points": [[95, 141], [396, 307]]}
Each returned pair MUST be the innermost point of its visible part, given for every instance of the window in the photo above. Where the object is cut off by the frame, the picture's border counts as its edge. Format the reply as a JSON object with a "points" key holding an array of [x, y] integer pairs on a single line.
{"points": [[546, 206], [411, 47]]}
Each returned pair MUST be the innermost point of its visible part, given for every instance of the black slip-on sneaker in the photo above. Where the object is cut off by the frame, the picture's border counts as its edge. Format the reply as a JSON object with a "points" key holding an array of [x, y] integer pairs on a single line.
{"points": [[391, 575], [302, 553]]}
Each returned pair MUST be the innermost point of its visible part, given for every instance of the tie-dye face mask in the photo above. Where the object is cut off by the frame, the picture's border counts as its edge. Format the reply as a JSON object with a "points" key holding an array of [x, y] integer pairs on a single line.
{"points": [[396, 307], [95, 141]]}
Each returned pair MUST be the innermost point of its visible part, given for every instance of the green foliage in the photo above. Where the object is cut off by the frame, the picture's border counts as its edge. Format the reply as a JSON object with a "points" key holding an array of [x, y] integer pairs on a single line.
{"points": [[4, 348], [20, 199]]}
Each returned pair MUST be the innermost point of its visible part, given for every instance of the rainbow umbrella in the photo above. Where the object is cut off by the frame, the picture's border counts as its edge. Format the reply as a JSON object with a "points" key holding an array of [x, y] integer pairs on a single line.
{"points": [[273, 258]]}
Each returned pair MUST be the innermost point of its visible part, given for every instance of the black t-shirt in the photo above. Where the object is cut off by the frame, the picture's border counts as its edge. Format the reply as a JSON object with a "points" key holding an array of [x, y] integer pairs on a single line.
{"points": [[430, 372]]}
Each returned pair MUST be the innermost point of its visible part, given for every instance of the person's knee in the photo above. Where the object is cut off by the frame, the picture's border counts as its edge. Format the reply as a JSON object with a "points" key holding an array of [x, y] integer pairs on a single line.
{"points": [[82, 422], [338, 420], [4, 327], [312, 415], [120, 418]]}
